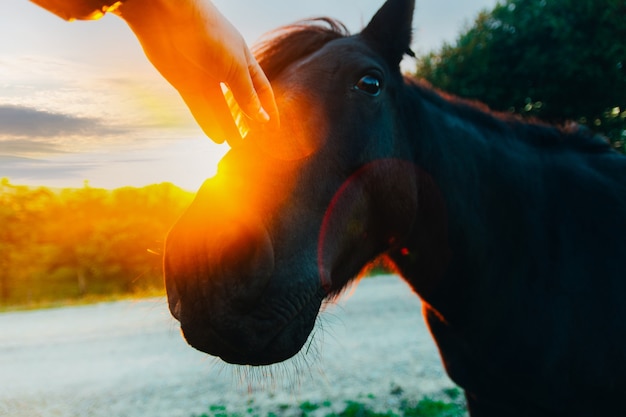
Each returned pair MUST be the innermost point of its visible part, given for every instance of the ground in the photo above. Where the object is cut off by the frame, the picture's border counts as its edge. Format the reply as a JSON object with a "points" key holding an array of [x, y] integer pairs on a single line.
{"points": [[128, 359]]}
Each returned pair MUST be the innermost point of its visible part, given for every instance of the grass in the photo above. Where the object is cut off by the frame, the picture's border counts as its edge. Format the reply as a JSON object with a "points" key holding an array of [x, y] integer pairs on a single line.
{"points": [[451, 406]]}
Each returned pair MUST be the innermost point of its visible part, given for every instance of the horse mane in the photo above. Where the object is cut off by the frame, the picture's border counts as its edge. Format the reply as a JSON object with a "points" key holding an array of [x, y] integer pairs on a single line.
{"points": [[288, 44], [531, 130]]}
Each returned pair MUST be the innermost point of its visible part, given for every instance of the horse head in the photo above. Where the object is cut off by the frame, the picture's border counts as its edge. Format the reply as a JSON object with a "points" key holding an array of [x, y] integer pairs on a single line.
{"points": [[294, 213]]}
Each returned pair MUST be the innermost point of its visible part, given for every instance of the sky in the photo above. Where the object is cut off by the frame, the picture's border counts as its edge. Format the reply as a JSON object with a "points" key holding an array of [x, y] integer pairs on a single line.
{"points": [[80, 102]]}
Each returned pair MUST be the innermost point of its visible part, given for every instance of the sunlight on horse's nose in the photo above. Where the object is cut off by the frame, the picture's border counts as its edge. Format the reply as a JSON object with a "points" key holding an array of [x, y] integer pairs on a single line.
{"points": [[247, 188], [227, 200]]}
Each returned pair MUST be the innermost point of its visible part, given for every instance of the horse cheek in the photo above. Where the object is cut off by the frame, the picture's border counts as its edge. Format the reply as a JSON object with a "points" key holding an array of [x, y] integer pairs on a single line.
{"points": [[392, 189], [373, 211]]}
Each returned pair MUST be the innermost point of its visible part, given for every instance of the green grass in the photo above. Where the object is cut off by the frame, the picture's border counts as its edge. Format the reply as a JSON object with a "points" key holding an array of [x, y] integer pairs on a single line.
{"points": [[451, 406], [433, 408]]}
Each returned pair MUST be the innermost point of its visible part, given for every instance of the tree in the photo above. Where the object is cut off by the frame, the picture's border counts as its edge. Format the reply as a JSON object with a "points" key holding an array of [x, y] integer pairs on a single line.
{"points": [[556, 60], [72, 243], [20, 211]]}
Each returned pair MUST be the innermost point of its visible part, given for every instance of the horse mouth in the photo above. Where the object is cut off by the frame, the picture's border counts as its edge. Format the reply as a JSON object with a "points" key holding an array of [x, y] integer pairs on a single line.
{"points": [[261, 337]]}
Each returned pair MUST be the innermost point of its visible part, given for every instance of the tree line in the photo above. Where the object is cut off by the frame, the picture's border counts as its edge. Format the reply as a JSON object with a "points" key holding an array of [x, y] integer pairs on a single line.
{"points": [[72, 243]]}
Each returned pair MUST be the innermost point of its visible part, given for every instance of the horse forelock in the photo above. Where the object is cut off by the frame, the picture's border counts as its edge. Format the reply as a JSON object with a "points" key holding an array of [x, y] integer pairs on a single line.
{"points": [[288, 44]]}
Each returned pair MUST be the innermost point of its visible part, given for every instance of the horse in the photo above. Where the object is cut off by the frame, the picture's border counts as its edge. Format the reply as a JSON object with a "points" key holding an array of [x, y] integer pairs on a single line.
{"points": [[512, 232]]}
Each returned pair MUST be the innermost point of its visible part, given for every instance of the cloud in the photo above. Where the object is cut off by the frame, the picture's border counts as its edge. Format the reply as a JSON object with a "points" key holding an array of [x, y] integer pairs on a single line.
{"points": [[27, 146], [24, 122], [26, 169]]}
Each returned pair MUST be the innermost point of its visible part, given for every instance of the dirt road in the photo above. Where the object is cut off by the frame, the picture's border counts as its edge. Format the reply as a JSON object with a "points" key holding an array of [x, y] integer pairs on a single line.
{"points": [[128, 359]]}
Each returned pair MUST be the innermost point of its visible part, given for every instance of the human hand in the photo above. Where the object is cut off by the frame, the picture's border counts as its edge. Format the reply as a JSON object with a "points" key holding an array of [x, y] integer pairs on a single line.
{"points": [[195, 48]]}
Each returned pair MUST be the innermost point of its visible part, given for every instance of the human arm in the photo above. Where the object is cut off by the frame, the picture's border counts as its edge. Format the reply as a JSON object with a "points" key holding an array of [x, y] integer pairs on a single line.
{"points": [[78, 9]]}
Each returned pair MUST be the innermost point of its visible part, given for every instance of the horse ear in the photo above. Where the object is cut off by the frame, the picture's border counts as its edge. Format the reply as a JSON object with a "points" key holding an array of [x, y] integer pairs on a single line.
{"points": [[390, 30]]}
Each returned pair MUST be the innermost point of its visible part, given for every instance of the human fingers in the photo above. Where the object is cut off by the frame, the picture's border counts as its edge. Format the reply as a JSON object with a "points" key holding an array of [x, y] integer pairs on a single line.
{"points": [[246, 83], [265, 92], [210, 109]]}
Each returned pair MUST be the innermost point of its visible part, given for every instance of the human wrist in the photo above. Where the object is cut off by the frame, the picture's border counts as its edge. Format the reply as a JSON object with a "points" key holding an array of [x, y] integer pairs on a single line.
{"points": [[136, 11], [141, 13]]}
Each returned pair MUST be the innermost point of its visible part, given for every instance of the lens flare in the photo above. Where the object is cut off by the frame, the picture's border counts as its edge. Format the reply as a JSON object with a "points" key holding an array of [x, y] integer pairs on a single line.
{"points": [[360, 228]]}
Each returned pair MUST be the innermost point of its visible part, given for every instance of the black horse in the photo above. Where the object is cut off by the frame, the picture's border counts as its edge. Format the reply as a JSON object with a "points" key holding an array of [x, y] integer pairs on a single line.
{"points": [[512, 233]]}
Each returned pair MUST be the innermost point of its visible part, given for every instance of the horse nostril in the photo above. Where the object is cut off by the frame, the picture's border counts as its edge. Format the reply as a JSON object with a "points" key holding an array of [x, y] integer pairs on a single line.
{"points": [[245, 262], [173, 302]]}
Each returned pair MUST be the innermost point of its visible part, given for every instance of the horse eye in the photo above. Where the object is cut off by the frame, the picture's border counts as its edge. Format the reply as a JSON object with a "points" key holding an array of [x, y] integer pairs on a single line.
{"points": [[368, 84]]}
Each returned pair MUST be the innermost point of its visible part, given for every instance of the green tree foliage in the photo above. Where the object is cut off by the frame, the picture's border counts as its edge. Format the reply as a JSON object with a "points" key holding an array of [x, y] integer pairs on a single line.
{"points": [[70, 243], [557, 60]]}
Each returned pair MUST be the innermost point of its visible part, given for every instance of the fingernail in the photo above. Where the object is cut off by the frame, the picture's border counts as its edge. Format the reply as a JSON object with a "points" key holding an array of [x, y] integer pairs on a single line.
{"points": [[263, 116]]}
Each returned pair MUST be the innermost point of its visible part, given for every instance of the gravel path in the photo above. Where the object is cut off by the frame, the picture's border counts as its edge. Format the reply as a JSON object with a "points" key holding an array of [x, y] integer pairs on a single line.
{"points": [[128, 359]]}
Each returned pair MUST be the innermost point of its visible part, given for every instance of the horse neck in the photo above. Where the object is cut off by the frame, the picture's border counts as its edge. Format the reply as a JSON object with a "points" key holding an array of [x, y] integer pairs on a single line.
{"points": [[474, 173]]}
